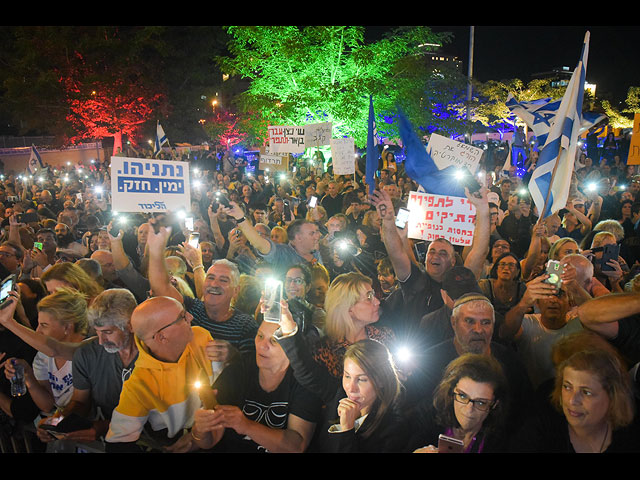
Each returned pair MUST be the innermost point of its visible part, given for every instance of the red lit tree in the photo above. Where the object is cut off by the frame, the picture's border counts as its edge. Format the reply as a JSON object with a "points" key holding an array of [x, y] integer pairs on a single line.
{"points": [[105, 105]]}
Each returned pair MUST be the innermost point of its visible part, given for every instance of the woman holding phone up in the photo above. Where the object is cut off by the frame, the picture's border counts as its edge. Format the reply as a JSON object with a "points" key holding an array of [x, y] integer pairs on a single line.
{"points": [[366, 397]]}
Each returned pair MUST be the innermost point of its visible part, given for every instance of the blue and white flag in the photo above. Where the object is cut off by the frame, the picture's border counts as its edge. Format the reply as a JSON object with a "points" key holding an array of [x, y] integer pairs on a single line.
{"points": [[550, 190], [421, 167], [538, 115], [35, 161], [161, 139], [372, 149]]}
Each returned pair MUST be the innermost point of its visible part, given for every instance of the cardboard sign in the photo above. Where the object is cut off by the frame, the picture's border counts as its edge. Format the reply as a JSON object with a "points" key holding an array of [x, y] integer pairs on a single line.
{"points": [[446, 152], [441, 216], [287, 139], [274, 162], [149, 185], [343, 156], [318, 134]]}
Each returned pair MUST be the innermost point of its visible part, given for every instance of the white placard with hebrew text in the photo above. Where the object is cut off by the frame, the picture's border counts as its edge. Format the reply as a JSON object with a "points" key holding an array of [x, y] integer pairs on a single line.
{"points": [[446, 152], [286, 139], [149, 185], [441, 216], [343, 156]]}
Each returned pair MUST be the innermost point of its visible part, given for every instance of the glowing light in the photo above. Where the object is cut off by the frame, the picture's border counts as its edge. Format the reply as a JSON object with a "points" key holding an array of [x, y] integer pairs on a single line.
{"points": [[404, 354]]}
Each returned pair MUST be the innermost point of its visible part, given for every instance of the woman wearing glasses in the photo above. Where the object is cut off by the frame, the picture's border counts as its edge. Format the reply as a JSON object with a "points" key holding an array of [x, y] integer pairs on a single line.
{"points": [[469, 405], [504, 287], [297, 283]]}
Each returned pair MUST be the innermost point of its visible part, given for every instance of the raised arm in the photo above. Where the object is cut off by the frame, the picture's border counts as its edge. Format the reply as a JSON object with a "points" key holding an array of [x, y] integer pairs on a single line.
{"points": [[255, 239], [536, 289], [392, 240], [480, 248], [159, 279], [601, 314]]}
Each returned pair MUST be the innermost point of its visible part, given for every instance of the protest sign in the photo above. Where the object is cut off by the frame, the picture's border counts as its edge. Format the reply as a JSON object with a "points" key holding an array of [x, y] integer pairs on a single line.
{"points": [[634, 146], [446, 152], [286, 139], [274, 162], [441, 216], [343, 156], [149, 185], [317, 134]]}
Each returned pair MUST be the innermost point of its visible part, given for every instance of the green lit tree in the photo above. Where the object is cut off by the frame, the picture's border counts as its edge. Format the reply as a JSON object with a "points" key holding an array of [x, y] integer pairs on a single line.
{"points": [[303, 75]]}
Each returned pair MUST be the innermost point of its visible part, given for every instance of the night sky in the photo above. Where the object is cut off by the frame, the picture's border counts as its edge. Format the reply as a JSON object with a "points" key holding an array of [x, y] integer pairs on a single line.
{"points": [[502, 52]]}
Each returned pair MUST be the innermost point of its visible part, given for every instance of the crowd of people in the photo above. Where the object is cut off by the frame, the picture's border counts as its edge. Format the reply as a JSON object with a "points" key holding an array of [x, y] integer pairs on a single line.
{"points": [[133, 338]]}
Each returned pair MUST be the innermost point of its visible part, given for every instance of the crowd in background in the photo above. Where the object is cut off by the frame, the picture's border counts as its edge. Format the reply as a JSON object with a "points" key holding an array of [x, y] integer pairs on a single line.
{"points": [[501, 359]]}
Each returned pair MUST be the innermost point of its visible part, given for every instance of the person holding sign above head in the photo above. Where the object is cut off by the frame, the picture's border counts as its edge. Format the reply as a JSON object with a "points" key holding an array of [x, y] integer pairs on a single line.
{"points": [[421, 288]]}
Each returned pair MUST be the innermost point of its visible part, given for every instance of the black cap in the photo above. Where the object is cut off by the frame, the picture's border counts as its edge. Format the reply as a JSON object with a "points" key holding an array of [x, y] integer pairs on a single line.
{"points": [[458, 281]]}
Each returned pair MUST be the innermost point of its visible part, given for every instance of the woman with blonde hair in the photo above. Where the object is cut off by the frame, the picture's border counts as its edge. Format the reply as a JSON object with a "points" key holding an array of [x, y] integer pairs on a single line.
{"points": [[63, 317], [70, 275]]}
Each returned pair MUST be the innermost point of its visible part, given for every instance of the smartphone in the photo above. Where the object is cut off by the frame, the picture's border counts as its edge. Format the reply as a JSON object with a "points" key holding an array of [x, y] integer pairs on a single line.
{"points": [[272, 298], [7, 286], [554, 270], [420, 250], [449, 445], [79, 196], [313, 201], [469, 181], [28, 217], [222, 198], [287, 210], [402, 218], [37, 245], [609, 252], [188, 223], [194, 239]]}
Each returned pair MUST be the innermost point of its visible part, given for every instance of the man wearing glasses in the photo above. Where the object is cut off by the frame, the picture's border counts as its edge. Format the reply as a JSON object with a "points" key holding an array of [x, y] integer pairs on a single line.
{"points": [[159, 400], [11, 256]]}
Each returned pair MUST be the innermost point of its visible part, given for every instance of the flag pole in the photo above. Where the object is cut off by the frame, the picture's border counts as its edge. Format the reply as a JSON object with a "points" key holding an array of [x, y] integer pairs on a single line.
{"points": [[553, 175]]}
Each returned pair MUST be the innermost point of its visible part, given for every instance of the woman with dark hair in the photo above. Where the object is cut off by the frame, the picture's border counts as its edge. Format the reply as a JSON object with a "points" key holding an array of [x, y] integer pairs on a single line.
{"points": [[469, 404], [504, 287], [366, 394]]}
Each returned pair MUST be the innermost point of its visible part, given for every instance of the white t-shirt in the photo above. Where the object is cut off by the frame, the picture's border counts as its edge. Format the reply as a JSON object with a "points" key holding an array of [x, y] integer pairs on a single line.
{"points": [[60, 379], [535, 343]]}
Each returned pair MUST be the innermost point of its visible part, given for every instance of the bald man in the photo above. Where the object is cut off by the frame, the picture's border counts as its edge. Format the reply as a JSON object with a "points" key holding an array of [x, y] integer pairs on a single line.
{"points": [[159, 400]]}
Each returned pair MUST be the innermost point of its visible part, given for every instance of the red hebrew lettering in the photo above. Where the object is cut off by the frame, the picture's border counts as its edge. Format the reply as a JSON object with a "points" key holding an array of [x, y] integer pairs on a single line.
{"points": [[472, 219], [429, 215], [460, 218], [449, 202]]}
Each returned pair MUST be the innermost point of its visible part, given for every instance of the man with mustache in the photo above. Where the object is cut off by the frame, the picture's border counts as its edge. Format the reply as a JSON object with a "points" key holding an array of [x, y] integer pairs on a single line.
{"points": [[473, 321], [231, 329]]}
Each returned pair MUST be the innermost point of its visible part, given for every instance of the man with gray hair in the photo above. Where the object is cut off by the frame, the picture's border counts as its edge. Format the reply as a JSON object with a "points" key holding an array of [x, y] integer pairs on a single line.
{"points": [[101, 365], [214, 312], [473, 321]]}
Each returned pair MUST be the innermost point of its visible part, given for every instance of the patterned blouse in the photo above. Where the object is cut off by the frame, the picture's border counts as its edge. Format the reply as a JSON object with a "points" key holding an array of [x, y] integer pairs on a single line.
{"points": [[331, 354]]}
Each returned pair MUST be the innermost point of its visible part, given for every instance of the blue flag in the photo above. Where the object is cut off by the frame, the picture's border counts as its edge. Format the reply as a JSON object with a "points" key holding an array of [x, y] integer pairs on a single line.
{"points": [[550, 190], [422, 169], [161, 139], [372, 150]]}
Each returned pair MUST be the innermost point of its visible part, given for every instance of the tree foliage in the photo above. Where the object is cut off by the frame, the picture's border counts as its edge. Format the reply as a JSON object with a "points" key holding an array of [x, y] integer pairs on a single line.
{"points": [[302, 75]]}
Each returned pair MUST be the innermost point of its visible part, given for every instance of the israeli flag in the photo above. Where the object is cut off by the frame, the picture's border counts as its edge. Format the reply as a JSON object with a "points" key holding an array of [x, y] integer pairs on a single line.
{"points": [[161, 139], [551, 180], [538, 115], [35, 161]]}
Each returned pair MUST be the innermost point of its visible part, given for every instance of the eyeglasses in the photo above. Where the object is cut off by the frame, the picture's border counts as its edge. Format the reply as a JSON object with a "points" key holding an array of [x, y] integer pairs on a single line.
{"points": [[481, 404], [369, 296], [181, 317], [510, 266], [294, 280]]}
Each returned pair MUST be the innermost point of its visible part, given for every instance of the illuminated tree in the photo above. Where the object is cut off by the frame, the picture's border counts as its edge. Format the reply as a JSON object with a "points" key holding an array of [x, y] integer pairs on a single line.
{"points": [[302, 75]]}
